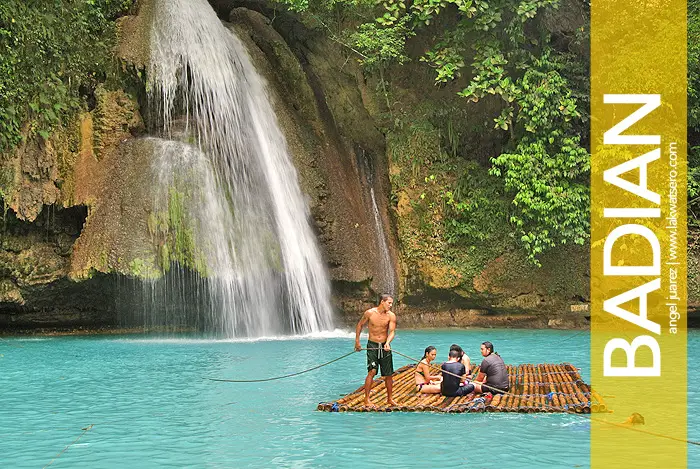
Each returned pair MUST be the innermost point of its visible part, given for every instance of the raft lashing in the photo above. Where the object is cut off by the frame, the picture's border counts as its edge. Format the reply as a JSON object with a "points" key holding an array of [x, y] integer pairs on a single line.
{"points": [[533, 388]]}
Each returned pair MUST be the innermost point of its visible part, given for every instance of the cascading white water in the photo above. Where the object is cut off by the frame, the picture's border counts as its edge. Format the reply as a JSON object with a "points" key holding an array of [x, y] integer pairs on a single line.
{"points": [[388, 281], [264, 272], [387, 276]]}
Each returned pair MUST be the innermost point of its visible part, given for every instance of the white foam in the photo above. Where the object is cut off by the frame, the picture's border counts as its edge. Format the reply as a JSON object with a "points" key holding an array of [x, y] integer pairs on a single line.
{"points": [[250, 221], [322, 335]]}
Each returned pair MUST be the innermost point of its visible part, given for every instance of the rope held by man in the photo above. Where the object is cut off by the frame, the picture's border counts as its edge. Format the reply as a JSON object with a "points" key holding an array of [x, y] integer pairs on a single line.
{"points": [[446, 372], [284, 376], [290, 375], [262, 380]]}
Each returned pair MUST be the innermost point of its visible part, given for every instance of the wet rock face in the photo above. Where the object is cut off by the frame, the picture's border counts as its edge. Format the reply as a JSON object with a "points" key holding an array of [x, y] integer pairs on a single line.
{"points": [[34, 256], [36, 177], [75, 203], [329, 114]]}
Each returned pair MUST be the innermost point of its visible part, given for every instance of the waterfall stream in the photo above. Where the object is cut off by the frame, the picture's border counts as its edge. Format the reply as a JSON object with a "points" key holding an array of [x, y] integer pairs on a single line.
{"points": [[229, 188], [385, 265]]}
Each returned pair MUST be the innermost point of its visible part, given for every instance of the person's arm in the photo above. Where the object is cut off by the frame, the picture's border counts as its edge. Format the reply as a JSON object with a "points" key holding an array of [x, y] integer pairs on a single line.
{"points": [[392, 331], [425, 371], [358, 329], [467, 364], [483, 370], [437, 377]]}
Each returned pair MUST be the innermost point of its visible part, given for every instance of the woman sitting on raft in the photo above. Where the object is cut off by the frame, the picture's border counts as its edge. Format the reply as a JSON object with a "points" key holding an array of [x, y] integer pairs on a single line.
{"points": [[427, 383]]}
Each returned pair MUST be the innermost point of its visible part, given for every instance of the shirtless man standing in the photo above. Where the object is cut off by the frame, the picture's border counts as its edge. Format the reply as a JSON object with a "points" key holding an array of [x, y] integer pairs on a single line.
{"points": [[382, 324]]}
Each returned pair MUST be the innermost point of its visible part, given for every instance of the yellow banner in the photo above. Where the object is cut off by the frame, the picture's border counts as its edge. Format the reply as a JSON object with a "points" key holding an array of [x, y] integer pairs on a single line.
{"points": [[638, 232]]}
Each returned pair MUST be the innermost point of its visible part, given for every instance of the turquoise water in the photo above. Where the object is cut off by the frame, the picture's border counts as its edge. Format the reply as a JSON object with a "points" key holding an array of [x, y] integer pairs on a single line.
{"points": [[151, 406]]}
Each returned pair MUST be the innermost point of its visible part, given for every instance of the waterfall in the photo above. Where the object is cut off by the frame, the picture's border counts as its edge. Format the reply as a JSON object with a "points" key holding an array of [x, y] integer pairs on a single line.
{"points": [[388, 280], [241, 217]]}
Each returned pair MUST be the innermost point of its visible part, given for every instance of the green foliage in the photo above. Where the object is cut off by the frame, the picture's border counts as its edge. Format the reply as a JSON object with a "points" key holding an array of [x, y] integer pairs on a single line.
{"points": [[475, 207], [551, 206], [144, 268], [694, 114], [453, 216], [379, 46], [547, 169], [173, 232], [535, 87], [48, 55], [447, 56]]}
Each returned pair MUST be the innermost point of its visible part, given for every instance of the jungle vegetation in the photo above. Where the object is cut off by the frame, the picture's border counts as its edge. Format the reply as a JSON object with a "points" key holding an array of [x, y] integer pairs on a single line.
{"points": [[536, 80]]}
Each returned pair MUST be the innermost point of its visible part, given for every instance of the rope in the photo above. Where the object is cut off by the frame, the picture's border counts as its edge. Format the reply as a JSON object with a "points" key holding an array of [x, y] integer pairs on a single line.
{"points": [[480, 402], [571, 337], [284, 376], [262, 380], [661, 435], [85, 430], [557, 342], [477, 402], [546, 373], [483, 385]]}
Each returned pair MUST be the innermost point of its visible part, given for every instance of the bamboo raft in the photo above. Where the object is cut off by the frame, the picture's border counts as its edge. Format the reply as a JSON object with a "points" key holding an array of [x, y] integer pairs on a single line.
{"points": [[533, 388]]}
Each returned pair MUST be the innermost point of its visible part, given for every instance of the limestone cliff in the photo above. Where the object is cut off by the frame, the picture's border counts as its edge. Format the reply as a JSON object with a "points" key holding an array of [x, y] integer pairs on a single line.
{"points": [[77, 237], [423, 136]]}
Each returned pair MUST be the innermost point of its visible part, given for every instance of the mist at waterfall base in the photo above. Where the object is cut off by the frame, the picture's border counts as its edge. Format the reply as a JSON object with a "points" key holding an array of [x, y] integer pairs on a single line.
{"points": [[245, 261], [152, 407]]}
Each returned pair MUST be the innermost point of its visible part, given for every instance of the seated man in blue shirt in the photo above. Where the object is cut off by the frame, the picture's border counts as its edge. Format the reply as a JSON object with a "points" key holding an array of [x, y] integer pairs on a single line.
{"points": [[455, 374]]}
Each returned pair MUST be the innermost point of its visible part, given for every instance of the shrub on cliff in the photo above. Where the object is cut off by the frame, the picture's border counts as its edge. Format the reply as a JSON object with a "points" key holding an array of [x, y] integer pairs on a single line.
{"points": [[52, 55]]}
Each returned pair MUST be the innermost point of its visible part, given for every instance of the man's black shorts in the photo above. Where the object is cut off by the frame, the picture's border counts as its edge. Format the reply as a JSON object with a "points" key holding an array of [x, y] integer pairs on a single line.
{"points": [[377, 356]]}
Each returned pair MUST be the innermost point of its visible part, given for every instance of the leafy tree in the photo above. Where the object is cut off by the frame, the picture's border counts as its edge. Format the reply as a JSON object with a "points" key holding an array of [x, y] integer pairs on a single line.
{"points": [[694, 114], [49, 52], [537, 87]]}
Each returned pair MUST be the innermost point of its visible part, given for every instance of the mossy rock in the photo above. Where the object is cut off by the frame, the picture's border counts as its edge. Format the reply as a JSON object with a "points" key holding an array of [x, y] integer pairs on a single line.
{"points": [[10, 293], [116, 118]]}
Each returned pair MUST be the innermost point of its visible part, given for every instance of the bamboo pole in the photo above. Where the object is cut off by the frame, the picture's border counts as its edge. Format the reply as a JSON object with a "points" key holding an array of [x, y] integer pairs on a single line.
{"points": [[529, 392], [572, 390], [564, 401], [555, 397], [534, 389], [524, 399], [402, 390], [602, 407], [570, 396], [507, 403], [501, 403], [531, 386], [541, 390], [414, 398], [494, 403]]}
